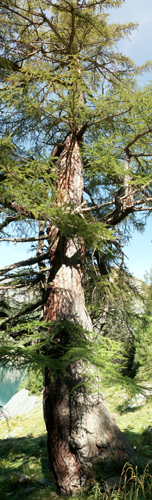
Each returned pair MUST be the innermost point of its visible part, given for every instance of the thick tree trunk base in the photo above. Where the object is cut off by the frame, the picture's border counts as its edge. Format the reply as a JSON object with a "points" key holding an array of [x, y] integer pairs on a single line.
{"points": [[80, 431]]}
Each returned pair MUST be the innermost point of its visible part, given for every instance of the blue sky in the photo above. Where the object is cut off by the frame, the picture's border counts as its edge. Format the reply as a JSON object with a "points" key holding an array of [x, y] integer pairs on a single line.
{"points": [[139, 48], [138, 45]]}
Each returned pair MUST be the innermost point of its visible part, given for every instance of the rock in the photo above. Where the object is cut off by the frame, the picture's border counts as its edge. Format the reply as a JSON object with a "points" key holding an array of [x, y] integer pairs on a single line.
{"points": [[29, 489], [19, 404], [111, 484], [138, 400], [23, 479], [44, 481]]}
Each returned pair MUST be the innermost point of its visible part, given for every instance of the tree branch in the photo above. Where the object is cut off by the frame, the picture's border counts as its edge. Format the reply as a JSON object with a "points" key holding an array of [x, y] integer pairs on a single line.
{"points": [[55, 31], [120, 213], [27, 310], [137, 155], [7, 221], [24, 240], [138, 136], [96, 207], [30, 273], [27, 262], [7, 64], [18, 209], [87, 125]]}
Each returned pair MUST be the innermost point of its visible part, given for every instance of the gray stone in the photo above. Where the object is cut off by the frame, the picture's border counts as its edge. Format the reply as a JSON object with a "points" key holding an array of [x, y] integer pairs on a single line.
{"points": [[111, 484], [138, 400], [44, 481], [29, 489], [20, 404]]}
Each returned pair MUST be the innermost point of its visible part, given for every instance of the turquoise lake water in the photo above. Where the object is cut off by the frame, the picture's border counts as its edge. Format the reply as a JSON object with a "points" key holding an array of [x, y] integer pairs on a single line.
{"points": [[10, 381]]}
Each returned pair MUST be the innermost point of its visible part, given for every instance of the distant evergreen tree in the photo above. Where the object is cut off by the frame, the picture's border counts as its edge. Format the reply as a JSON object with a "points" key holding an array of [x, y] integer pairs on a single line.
{"points": [[33, 382]]}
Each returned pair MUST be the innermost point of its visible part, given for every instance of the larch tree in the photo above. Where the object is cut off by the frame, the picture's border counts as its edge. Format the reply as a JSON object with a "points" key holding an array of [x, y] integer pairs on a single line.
{"points": [[72, 120]]}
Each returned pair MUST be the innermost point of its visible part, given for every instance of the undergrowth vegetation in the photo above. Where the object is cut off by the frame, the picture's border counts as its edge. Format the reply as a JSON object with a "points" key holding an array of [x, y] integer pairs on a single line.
{"points": [[24, 471]]}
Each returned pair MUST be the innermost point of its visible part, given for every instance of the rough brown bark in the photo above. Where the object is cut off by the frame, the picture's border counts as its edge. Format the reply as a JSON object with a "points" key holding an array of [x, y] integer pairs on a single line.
{"points": [[79, 425]]}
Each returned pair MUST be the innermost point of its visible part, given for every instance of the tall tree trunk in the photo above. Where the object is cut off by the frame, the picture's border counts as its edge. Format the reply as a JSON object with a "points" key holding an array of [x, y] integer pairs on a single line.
{"points": [[79, 425]]}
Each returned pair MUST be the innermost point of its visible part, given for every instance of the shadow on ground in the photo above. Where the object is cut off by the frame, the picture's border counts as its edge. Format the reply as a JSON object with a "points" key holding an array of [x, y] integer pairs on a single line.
{"points": [[23, 467], [127, 409]]}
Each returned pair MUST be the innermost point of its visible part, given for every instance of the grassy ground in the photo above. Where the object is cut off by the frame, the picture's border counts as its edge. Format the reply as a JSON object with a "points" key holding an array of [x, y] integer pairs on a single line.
{"points": [[23, 454], [136, 422]]}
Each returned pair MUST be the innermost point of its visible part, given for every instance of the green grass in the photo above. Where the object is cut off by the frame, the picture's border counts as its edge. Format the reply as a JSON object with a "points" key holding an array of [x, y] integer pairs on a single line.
{"points": [[23, 452], [135, 422], [24, 461]]}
